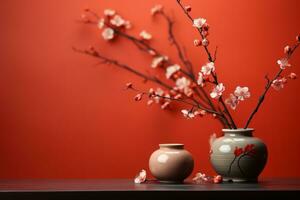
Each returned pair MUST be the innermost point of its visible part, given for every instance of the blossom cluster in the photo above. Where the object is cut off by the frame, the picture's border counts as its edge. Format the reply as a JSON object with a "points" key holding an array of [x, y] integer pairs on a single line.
{"points": [[186, 86]]}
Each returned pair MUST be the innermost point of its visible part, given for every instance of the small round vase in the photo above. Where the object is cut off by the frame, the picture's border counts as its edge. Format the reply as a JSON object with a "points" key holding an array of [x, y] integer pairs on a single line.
{"points": [[171, 163], [238, 156]]}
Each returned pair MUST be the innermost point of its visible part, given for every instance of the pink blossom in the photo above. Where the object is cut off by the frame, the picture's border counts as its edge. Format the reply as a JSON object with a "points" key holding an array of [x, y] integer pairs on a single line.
{"points": [[158, 61], [283, 63], [160, 93], [101, 23], [200, 80], [188, 114], [217, 91], [199, 22], [278, 84], [108, 34], [145, 35], [292, 75], [172, 70], [208, 68], [197, 42], [205, 42], [117, 21], [156, 9], [200, 178], [183, 84], [242, 93], [140, 177], [232, 101], [109, 12]]}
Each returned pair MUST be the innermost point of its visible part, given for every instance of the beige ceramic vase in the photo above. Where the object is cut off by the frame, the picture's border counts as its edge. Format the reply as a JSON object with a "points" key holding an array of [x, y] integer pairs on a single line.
{"points": [[171, 163], [238, 156]]}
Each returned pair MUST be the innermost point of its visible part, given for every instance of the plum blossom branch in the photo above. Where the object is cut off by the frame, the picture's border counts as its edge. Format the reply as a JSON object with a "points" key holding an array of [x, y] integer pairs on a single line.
{"points": [[94, 53], [210, 59], [173, 40], [152, 94], [289, 53]]}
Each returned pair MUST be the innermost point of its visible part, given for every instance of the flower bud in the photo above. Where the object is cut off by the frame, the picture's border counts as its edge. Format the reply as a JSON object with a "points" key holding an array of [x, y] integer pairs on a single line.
{"points": [[128, 85], [218, 179], [165, 105], [205, 42], [292, 76], [197, 43], [287, 49], [188, 8], [138, 97]]}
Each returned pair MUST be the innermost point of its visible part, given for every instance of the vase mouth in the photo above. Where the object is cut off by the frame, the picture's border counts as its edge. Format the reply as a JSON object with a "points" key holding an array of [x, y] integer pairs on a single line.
{"points": [[238, 130], [172, 145]]}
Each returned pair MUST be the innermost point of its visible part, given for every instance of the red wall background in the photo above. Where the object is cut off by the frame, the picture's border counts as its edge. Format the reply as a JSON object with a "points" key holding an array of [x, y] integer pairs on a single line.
{"points": [[63, 116]]}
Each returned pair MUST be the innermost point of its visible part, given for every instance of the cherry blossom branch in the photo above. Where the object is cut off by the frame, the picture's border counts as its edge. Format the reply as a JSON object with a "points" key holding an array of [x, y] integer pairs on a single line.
{"points": [[154, 79], [126, 67], [214, 75], [175, 99], [185, 61], [172, 39], [268, 85], [145, 47]]}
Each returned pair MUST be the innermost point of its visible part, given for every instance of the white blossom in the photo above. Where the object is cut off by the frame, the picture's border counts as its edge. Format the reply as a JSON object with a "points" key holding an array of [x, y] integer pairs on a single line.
{"points": [[278, 84], [158, 61], [117, 21], [108, 34], [242, 93], [182, 83], [187, 114], [283, 63], [145, 35], [208, 68], [172, 70], [140, 177], [199, 22], [217, 91]]}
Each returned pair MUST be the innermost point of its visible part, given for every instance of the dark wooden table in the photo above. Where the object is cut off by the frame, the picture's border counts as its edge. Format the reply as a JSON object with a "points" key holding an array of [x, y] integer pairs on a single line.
{"points": [[126, 189]]}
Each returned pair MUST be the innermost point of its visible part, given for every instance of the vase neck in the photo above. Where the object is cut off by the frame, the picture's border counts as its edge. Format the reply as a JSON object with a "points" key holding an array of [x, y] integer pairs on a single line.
{"points": [[233, 132], [171, 146]]}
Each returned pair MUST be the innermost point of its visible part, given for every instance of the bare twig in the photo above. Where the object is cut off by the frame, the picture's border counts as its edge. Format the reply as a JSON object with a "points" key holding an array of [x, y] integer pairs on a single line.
{"points": [[126, 67], [268, 85]]}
